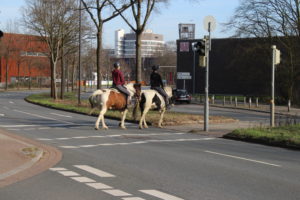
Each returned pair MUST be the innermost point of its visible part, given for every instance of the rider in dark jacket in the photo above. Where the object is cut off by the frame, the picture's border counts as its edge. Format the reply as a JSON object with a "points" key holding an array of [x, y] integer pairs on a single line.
{"points": [[157, 84]]}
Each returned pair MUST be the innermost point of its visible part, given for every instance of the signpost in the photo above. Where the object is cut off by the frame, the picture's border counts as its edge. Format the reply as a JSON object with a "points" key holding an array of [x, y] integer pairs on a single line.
{"points": [[275, 61], [184, 76]]}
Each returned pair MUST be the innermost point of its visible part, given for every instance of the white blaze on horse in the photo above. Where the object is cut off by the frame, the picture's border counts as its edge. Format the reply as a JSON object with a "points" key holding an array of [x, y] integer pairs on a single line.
{"points": [[151, 99], [111, 99]]}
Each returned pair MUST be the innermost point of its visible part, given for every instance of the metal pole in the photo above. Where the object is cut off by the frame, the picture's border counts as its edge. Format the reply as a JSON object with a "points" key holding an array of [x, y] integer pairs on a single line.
{"points": [[79, 55], [206, 106], [194, 78], [272, 106]]}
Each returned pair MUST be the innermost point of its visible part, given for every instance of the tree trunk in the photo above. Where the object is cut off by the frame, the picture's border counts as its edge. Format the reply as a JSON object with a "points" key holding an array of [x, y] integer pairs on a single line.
{"points": [[6, 75], [98, 60], [62, 82], [138, 57], [18, 84]]}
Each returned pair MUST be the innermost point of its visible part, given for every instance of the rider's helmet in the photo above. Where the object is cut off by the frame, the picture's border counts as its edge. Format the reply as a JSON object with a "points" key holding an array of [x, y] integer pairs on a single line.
{"points": [[155, 67], [116, 65]]}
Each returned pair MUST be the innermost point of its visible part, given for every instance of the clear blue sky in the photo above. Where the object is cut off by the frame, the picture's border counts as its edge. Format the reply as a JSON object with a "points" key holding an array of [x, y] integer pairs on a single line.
{"points": [[165, 22]]}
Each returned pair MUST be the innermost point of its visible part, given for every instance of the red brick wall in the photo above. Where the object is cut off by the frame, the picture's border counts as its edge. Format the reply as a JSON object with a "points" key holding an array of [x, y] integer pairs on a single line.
{"points": [[11, 48]]}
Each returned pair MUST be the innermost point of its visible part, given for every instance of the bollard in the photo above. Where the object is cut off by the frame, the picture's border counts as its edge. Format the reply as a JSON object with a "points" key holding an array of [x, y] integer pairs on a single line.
{"points": [[213, 99], [245, 101], [289, 105], [256, 102], [224, 101], [250, 103], [235, 101], [230, 100]]}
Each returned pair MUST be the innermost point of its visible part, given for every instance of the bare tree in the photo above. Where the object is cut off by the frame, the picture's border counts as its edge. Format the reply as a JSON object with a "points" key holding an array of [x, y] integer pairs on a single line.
{"points": [[141, 11], [274, 20], [51, 19], [100, 13]]}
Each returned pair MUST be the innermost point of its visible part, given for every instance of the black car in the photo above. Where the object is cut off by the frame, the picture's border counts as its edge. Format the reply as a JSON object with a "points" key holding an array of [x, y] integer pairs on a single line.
{"points": [[181, 95]]}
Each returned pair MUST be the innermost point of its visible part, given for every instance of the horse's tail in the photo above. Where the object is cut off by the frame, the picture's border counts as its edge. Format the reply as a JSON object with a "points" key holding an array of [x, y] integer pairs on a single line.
{"points": [[95, 100]]}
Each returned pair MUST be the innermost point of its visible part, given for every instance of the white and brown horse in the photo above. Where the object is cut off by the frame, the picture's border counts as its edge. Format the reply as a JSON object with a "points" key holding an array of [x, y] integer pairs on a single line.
{"points": [[151, 99], [111, 99]]}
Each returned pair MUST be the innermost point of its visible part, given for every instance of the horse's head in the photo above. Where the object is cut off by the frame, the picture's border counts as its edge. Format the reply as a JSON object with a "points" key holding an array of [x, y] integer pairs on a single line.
{"points": [[134, 88], [169, 92]]}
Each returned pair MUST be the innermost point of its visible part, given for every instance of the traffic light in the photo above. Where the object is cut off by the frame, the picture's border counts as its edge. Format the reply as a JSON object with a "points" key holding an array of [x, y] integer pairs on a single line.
{"points": [[200, 47]]}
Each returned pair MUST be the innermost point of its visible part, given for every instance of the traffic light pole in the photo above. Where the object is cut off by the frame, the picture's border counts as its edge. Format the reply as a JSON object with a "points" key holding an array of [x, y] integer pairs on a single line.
{"points": [[206, 105]]}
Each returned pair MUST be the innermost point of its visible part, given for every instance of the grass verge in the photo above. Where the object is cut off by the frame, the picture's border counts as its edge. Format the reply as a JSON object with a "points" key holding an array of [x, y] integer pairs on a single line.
{"points": [[284, 136], [70, 104]]}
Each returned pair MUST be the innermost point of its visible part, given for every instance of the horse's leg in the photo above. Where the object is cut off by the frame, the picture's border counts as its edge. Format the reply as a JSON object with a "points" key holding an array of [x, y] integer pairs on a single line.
{"points": [[122, 125], [161, 117], [98, 121], [143, 119], [103, 111]]}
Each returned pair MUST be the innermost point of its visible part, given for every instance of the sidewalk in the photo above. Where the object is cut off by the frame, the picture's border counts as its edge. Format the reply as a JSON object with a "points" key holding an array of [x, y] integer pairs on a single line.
{"points": [[22, 158]]}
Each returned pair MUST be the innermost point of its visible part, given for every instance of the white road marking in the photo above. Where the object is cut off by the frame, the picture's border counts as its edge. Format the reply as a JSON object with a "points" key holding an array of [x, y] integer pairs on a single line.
{"points": [[160, 195], [137, 142], [68, 173], [69, 147], [83, 179], [132, 198], [2, 115], [43, 117], [17, 126], [58, 169], [123, 135], [99, 186], [11, 102], [62, 138], [117, 193], [61, 115], [94, 171], [241, 158]]}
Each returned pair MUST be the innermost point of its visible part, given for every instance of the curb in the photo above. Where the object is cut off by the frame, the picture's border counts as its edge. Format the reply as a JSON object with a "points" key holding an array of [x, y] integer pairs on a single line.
{"points": [[45, 157], [23, 167]]}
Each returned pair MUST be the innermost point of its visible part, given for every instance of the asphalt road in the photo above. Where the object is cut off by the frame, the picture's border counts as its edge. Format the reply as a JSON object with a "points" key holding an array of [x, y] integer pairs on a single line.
{"points": [[147, 164]]}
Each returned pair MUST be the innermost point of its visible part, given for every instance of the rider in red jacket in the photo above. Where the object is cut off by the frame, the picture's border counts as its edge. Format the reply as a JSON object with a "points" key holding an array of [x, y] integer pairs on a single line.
{"points": [[118, 81]]}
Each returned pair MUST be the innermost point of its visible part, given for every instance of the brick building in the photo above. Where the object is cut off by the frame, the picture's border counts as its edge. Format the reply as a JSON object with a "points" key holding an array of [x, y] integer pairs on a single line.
{"points": [[23, 58]]}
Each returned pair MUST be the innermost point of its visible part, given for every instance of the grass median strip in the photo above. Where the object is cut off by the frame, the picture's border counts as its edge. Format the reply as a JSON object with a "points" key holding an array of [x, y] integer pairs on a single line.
{"points": [[170, 118], [285, 136]]}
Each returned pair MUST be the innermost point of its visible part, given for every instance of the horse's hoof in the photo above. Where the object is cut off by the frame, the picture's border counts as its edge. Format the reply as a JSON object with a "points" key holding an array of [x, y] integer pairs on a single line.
{"points": [[140, 127], [105, 128], [96, 128], [123, 127]]}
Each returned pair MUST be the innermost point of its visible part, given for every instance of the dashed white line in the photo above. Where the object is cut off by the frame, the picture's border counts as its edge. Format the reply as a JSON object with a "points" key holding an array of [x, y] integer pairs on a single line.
{"points": [[117, 193], [68, 173], [2, 115], [137, 142], [61, 115], [160, 195], [94, 171], [43, 117], [111, 136], [99, 186], [241, 158], [83, 179], [17, 126], [57, 169]]}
